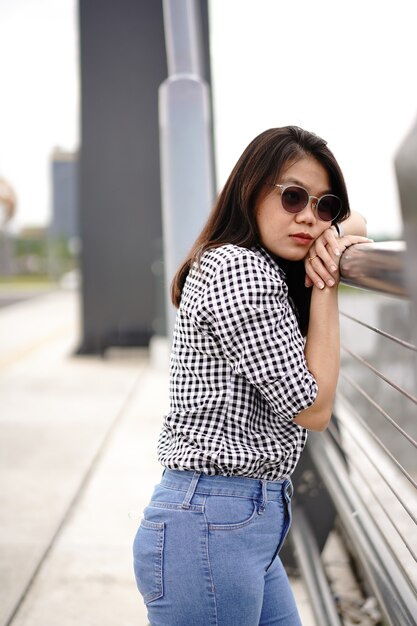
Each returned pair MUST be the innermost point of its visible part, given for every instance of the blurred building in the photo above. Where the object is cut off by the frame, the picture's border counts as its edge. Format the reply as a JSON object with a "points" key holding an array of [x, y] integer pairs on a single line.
{"points": [[63, 232], [6, 254], [64, 174], [8, 203]]}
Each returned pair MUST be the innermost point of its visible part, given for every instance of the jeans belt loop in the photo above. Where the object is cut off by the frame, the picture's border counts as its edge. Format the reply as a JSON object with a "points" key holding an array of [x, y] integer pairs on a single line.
{"points": [[191, 490]]}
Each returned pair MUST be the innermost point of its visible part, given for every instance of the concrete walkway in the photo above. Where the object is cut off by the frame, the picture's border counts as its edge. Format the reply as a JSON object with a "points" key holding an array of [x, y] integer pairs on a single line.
{"points": [[77, 465]]}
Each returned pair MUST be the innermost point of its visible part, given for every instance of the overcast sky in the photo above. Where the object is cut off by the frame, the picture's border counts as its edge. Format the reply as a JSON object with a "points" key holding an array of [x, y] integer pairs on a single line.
{"points": [[345, 70], [39, 96]]}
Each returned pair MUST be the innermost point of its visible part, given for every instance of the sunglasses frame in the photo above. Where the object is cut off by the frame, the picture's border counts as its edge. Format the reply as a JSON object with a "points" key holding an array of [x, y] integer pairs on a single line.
{"points": [[315, 206]]}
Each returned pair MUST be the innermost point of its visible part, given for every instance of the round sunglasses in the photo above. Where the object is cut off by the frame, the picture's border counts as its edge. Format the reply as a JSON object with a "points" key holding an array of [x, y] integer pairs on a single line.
{"points": [[295, 198]]}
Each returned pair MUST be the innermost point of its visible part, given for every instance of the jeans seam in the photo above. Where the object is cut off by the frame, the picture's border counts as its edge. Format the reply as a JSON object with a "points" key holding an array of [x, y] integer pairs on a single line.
{"points": [[174, 506], [207, 556], [159, 528], [286, 498]]}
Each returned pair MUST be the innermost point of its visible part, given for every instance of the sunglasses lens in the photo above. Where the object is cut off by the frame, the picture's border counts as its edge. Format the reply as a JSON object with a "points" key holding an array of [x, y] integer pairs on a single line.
{"points": [[294, 199], [329, 208]]}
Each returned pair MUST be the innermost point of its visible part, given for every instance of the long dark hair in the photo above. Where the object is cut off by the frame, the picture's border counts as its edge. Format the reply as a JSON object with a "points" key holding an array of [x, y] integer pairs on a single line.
{"points": [[233, 219]]}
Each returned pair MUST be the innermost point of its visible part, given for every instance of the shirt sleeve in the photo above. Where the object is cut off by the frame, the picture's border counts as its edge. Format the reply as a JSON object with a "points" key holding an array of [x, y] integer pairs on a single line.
{"points": [[246, 309]]}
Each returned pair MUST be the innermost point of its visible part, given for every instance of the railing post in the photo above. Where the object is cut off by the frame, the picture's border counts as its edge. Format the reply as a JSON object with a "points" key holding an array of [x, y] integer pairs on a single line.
{"points": [[406, 170], [187, 177]]}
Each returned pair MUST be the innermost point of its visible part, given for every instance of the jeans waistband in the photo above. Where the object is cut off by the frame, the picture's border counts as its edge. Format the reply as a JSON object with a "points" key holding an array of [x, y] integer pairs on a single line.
{"points": [[238, 486]]}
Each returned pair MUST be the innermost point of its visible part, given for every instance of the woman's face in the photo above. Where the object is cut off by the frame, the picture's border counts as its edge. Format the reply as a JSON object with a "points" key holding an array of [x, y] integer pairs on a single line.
{"points": [[290, 235]]}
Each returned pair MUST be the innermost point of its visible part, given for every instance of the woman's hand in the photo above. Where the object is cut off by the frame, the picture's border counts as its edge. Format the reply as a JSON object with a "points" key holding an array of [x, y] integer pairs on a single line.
{"points": [[322, 261]]}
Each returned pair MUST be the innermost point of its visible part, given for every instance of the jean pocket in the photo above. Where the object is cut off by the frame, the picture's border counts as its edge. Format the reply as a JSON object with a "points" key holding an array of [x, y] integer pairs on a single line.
{"points": [[148, 550]]}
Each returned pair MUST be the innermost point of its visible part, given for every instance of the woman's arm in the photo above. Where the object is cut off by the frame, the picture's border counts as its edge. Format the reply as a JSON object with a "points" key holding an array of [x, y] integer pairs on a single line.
{"points": [[355, 224], [322, 352], [322, 349]]}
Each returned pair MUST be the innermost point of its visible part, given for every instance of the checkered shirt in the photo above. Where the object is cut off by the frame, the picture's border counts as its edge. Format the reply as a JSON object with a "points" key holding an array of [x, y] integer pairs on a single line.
{"points": [[238, 374]]}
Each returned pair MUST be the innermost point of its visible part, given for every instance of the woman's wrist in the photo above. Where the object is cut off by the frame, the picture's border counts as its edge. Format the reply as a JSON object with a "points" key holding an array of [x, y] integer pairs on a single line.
{"points": [[327, 289]]}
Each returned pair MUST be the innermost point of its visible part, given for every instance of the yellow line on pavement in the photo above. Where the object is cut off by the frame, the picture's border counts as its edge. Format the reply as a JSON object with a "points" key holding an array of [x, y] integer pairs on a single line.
{"points": [[25, 351]]}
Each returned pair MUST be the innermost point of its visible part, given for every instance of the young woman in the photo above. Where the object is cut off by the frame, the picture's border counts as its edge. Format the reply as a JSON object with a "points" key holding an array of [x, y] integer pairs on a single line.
{"points": [[254, 365]]}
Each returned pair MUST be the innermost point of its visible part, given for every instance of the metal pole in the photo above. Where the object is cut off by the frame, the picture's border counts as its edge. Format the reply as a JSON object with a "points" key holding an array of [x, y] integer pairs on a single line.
{"points": [[397, 600], [406, 170], [187, 179], [376, 266], [308, 558]]}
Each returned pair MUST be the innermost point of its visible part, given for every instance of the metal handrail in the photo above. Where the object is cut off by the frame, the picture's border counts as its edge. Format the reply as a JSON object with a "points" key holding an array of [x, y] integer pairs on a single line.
{"points": [[376, 266], [380, 268], [390, 586]]}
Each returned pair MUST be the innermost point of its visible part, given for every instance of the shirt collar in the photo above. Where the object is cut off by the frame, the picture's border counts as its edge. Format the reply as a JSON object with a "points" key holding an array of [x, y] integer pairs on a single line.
{"points": [[269, 258]]}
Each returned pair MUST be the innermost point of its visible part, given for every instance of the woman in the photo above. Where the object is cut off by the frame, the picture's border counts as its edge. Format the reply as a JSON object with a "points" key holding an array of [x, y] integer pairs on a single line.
{"points": [[254, 365]]}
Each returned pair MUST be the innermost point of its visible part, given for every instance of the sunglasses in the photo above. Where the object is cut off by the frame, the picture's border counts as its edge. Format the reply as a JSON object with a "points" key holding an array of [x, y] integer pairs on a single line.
{"points": [[294, 199]]}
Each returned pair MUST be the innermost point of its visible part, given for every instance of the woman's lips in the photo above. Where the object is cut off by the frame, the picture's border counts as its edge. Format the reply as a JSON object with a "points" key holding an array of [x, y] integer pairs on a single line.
{"points": [[303, 239]]}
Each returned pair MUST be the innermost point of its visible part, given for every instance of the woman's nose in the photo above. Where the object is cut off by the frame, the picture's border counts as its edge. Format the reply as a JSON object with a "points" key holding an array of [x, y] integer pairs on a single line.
{"points": [[308, 214]]}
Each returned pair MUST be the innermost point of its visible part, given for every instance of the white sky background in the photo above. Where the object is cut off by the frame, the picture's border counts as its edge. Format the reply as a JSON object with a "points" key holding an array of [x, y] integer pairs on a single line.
{"points": [[39, 97], [345, 70]]}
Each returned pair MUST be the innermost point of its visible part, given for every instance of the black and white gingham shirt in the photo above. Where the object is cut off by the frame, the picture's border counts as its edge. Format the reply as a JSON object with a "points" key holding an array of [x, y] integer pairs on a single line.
{"points": [[238, 372]]}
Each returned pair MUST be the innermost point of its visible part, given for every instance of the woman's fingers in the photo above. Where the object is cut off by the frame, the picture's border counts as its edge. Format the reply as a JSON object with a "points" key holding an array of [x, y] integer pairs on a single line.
{"points": [[323, 248], [322, 261], [317, 272], [332, 240], [319, 263]]}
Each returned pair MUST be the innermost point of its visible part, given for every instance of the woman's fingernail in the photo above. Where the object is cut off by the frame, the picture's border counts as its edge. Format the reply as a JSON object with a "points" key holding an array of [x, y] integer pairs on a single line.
{"points": [[330, 282], [333, 268], [337, 251], [320, 285]]}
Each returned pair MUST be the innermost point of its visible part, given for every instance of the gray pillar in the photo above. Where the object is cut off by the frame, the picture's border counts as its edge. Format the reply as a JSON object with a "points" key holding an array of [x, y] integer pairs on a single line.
{"points": [[123, 62]]}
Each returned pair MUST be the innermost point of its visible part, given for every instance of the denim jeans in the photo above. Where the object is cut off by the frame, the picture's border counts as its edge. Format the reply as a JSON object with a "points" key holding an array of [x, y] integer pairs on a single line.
{"points": [[206, 552]]}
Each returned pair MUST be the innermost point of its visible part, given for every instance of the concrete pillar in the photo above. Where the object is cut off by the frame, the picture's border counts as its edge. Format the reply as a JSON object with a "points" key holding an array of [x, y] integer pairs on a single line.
{"points": [[123, 62]]}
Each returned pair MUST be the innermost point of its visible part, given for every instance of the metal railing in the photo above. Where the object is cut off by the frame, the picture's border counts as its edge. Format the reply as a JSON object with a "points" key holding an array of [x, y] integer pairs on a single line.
{"points": [[376, 266], [366, 459]]}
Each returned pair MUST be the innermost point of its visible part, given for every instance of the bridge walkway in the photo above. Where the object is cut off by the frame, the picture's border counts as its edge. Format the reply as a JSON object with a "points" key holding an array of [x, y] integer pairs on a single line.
{"points": [[77, 464]]}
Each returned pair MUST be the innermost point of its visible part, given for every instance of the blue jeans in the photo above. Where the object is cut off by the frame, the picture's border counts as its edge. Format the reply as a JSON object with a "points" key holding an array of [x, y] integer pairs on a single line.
{"points": [[206, 552]]}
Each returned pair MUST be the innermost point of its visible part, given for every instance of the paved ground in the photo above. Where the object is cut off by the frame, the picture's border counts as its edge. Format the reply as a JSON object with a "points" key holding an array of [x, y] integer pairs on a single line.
{"points": [[77, 464]]}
